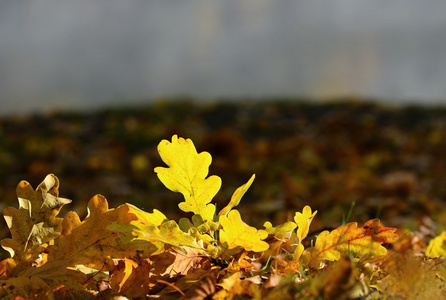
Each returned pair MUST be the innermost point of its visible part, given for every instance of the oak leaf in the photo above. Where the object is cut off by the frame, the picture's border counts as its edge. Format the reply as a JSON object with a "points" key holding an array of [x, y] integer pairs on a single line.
{"points": [[167, 233], [185, 262], [277, 236], [34, 222], [411, 277], [22, 286], [81, 243], [349, 240], [303, 221], [236, 233], [437, 246], [237, 196], [233, 287], [132, 278], [156, 218], [186, 173], [280, 232], [90, 242]]}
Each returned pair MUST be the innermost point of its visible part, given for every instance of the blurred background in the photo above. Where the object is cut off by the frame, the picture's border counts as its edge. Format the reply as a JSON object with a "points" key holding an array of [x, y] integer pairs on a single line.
{"points": [[83, 54], [329, 103]]}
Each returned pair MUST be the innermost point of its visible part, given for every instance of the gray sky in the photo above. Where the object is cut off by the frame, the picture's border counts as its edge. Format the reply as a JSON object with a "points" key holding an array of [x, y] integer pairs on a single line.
{"points": [[83, 53]]}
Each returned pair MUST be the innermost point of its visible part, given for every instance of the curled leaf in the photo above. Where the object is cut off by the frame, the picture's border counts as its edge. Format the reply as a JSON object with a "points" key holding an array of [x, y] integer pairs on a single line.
{"points": [[34, 222], [237, 196]]}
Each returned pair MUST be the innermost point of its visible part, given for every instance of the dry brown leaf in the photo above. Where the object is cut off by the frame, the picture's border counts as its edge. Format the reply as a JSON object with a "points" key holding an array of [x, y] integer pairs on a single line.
{"points": [[132, 278]]}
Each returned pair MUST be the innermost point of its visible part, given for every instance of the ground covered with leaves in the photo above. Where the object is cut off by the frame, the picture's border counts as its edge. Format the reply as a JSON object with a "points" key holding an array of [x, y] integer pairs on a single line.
{"points": [[317, 167]]}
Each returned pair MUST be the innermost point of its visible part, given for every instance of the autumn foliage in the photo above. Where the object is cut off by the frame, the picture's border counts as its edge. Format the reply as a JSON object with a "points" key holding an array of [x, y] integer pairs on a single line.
{"points": [[213, 254]]}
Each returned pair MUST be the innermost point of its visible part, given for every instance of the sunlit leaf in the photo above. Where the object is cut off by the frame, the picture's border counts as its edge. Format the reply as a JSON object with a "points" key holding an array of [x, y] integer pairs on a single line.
{"points": [[34, 222], [236, 233], [237, 196], [303, 221], [186, 173], [349, 240], [156, 218], [89, 241], [282, 231], [167, 233], [437, 246]]}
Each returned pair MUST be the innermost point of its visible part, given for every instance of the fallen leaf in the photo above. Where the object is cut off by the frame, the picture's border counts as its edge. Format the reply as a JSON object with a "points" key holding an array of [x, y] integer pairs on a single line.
{"points": [[280, 232], [34, 222], [349, 240], [337, 282], [167, 233], [90, 242], [132, 278], [437, 246], [410, 277], [236, 233], [185, 262]]}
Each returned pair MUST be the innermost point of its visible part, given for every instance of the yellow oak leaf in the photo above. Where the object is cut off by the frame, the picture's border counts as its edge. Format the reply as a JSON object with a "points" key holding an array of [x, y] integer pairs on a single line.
{"points": [[204, 239], [197, 223], [85, 244], [437, 246], [135, 230], [303, 221], [34, 222], [156, 218], [167, 233], [186, 173], [349, 240], [236, 233], [237, 196], [90, 242], [277, 236], [282, 231]]}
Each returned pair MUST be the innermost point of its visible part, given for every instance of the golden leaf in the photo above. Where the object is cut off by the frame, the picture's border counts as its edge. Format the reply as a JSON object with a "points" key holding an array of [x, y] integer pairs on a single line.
{"points": [[34, 222], [349, 240], [303, 221], [156, 218], [236, 233], [237, 196], [90, 242], [280, 232], [186, 174], [167, 233], [437, 246]]}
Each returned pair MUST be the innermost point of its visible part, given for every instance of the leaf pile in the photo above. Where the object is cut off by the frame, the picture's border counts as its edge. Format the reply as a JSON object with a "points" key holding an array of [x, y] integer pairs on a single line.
{"points": [[209, 254]]}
